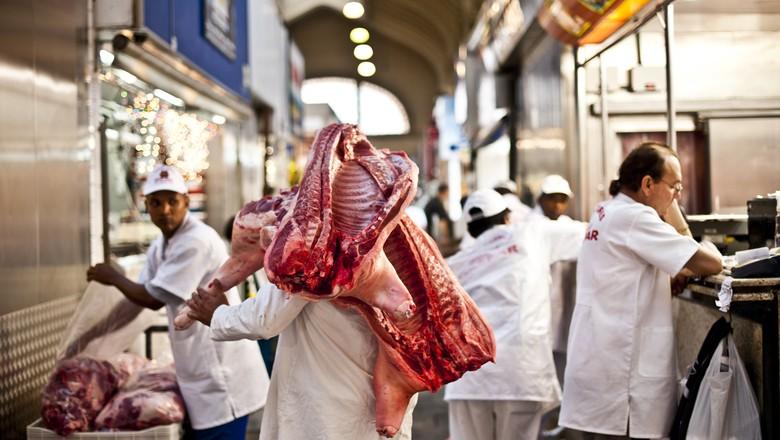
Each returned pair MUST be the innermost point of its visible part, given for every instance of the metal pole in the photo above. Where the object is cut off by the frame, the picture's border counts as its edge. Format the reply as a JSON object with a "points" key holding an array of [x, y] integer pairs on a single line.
{"points": [[604, 125], [104, 190], [512, 125], [671, 133]]}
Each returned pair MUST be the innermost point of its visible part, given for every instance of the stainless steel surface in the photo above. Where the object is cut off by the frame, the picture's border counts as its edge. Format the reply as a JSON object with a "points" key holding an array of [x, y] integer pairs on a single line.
{"points": [[28, 344], [604, 184], [744, 153], [671, 132], [44, 159]]}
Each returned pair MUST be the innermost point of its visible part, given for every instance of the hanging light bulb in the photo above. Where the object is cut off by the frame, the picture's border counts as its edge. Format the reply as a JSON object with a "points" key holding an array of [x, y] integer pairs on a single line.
{"points": [[353, 10], [363, 52], [366, 68], [359, 35]]}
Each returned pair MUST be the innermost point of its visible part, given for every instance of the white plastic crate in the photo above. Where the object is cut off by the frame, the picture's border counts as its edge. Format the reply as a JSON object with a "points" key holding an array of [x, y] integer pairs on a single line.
{"points": [[37, 431]]}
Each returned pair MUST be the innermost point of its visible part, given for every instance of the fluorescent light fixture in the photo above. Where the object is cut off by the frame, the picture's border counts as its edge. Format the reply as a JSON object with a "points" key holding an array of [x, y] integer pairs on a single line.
{"points": [[366, 68], [112, 134], [218, 119], [125, 76], [363, 52], [359, 35], [106, 57], [165, 96], [353, 10]]}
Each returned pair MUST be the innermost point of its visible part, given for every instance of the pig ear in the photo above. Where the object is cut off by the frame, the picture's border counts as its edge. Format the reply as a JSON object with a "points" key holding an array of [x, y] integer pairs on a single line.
{"points": [[266, 236]]}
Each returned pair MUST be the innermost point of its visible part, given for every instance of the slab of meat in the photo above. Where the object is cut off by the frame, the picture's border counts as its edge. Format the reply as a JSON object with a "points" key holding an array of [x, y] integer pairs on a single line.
{"points": [[351, 198], [77, 390], [331, 241], [334, 243], [127, 364], [153, 379], [253, 229], [141, 409]]}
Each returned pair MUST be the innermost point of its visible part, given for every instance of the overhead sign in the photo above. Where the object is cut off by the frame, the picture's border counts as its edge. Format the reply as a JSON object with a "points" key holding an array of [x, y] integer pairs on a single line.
{"points": [[218, 26], [579, 22]]}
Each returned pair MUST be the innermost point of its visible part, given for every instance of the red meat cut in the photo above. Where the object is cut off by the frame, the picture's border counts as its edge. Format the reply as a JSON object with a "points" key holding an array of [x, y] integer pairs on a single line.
{"points": [[344, 237], [78, 389]]}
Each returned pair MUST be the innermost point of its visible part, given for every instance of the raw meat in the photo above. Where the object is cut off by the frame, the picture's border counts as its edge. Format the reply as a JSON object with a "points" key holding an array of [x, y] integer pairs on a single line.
{"points": [[253, 229], [332, 242], [77, 390], [127, 364], [153, 379], [141, 409], [351, 198]]}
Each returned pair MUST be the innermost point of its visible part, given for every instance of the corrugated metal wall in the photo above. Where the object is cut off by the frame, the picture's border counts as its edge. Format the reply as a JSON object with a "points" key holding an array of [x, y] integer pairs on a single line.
{"points": [[44, 193]]}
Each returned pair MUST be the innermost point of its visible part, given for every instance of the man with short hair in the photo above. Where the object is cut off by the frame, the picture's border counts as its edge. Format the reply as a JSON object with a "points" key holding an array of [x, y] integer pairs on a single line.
{"points": [[221, 382]]}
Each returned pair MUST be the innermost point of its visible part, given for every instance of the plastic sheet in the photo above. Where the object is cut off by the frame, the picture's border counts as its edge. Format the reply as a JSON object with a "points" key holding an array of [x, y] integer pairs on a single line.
{"points": [[104, 325]]}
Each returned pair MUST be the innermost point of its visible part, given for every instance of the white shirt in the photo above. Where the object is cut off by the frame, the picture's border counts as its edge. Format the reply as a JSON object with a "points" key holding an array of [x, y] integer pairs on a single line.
{"points": [[321, 385], [507, 274], [219, 381], [621, 367]]}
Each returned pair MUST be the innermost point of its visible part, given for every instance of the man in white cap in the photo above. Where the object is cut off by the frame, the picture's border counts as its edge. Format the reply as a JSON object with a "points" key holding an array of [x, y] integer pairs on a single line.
{"points": [[508, 190], [506, 272], [221, 382], [554, 197]]}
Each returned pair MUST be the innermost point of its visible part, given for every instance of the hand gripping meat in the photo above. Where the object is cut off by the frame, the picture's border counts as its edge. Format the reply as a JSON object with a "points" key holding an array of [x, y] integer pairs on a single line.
{"points": [[253, 229], [334, 244]]}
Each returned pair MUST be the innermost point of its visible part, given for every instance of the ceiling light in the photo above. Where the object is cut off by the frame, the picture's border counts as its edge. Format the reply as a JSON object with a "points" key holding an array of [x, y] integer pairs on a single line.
{"points": [[106, 57], [125, 76], [366, 68], [353, 10], [218, 119], [165, 96], [358, 35], [363, 51]]}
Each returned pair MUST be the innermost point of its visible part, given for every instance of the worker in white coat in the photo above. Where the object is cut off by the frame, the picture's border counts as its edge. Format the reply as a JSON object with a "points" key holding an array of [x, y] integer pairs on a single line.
{"points": [[506, 273], [621, 377], [321, 383], [221, 382]]}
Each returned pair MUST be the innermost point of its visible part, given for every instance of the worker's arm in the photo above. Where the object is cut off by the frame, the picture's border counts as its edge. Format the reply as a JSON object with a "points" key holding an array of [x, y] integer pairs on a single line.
{"points": [[704, 262], [106, 274], [261, 317]]}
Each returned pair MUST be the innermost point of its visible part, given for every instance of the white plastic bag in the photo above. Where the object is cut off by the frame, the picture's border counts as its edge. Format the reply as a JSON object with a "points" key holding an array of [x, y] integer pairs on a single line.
{"points": [[105, 324], [726, 406]]}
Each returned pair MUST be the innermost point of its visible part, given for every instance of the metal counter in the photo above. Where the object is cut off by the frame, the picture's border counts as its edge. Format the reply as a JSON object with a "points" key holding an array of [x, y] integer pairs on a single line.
{"points": [[754, 318]]}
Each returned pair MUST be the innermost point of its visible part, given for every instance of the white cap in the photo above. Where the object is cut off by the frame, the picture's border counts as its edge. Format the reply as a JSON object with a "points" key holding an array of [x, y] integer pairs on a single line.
{"points": [[487, 200], [164, 178], [508, 185], [555, 184]]}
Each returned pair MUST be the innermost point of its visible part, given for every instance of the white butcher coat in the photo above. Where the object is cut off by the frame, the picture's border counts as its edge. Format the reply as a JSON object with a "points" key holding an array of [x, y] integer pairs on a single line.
{"points": [[621, 368], [219, 381], [321, 382], [507, 274]]}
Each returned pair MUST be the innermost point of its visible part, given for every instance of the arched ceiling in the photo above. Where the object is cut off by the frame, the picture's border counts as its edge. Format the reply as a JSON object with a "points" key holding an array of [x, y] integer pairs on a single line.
{"points": [[415, 45]]}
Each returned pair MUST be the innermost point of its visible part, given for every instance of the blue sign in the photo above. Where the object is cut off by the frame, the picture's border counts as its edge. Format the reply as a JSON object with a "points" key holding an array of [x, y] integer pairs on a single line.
{"points": [[212, 34]]}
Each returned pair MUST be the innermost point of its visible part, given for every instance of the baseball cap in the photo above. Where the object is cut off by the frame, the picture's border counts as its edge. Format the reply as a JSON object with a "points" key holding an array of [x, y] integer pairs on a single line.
{"points": [[487, 200], [555, 184], [164, 178], [508, 185]]}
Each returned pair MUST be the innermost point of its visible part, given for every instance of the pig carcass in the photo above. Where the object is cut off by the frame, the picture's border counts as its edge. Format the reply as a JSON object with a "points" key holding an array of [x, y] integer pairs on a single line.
{"points": [[330, 242]]}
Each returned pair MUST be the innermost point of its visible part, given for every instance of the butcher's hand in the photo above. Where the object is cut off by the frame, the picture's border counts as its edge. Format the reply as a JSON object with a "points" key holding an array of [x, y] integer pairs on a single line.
{"points": [[202, 305], [104, 273]]}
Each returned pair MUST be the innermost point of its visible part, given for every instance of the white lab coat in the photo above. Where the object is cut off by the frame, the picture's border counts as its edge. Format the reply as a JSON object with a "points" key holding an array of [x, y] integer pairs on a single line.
{"points": [[219, 381], [507, 274], [321, 383], [621, 367]]}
